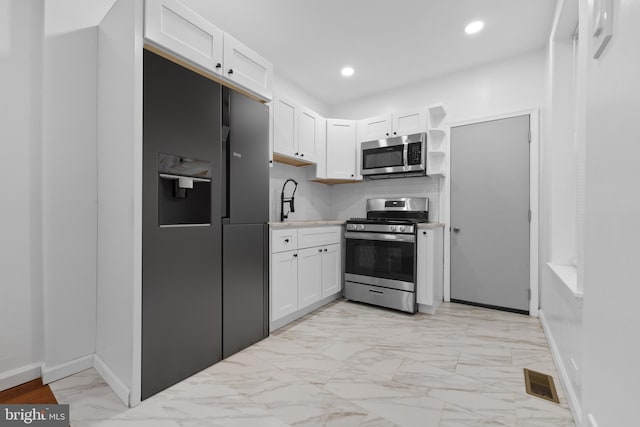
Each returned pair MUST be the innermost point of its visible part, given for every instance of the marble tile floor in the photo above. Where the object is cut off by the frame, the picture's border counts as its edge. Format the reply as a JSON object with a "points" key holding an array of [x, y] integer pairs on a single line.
{"points": [[350, 364]]}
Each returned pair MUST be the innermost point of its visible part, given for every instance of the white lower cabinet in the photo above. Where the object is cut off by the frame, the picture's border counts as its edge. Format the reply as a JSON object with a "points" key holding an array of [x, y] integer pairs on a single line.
{"points": [[302, 277], [309, 276], [331, 271], [284, 273], [429, 286]]}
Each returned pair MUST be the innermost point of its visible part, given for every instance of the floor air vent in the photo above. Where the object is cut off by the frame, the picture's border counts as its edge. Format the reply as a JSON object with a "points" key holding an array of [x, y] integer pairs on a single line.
{"points": [[540, 385]]}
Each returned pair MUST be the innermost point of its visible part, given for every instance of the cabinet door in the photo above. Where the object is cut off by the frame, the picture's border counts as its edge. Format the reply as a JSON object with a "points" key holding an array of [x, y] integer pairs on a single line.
{"points": [[285, 126], [425, 267], [172, 25], [309, 134], [309, 276], [246, 68], [378, 127], [284, 284], [341, 149], [331, 270], [408, 122]]}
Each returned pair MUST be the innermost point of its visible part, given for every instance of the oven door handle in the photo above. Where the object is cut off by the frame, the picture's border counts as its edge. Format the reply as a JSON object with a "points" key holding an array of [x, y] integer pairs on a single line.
{"points": [[380, 236]]}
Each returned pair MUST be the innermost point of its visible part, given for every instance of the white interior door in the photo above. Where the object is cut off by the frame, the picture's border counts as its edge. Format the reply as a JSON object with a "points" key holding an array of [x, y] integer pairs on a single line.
{"points": [[490, 213]]}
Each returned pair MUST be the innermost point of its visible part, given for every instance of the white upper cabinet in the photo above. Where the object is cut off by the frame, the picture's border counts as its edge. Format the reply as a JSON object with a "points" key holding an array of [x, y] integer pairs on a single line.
{"points": [[390, 125], [298, 131], [172, 25], [246, 68], [309, 134], [410, 122], [285, 126], [341, 149], [378, 127]]}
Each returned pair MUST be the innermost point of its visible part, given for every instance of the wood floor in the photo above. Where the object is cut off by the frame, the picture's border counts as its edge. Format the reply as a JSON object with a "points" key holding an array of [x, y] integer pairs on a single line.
{"points": [[32, 392]]}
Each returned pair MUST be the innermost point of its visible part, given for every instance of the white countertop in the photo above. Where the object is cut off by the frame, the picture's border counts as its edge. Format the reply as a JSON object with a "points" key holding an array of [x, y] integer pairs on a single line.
{"points": [[278, 224], [429, 225]]}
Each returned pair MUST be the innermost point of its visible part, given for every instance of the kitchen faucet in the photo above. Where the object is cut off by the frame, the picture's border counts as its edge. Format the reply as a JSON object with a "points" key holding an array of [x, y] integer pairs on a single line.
{"points": [[288, 200]]}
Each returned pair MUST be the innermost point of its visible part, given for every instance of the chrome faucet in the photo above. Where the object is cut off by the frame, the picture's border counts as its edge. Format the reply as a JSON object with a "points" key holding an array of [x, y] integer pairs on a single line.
{"points": [[288, 200]]}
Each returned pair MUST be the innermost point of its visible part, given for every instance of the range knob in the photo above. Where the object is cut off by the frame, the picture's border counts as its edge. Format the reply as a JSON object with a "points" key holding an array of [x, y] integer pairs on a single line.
{"points": [[400, 228], [392, 228], [361, 227]]}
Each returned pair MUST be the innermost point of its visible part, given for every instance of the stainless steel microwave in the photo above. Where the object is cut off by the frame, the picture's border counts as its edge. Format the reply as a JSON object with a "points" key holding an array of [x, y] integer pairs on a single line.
{"points": [[395, 157]]}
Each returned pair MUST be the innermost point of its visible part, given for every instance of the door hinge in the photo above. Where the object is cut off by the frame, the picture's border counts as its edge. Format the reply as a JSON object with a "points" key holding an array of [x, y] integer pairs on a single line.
{"points": [[529, 136], [529, 215]]}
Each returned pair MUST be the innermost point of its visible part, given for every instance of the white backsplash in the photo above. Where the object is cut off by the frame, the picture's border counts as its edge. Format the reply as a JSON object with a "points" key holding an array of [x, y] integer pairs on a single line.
{"points": [[349, 200], [312, 200]]}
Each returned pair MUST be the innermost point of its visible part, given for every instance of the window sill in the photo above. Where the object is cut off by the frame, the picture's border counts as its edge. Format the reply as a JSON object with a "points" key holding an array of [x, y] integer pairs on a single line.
{"points": [[568, 275]]}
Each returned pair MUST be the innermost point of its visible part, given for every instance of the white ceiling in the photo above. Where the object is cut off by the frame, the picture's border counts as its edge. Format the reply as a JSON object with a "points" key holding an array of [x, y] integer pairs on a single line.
{"points": [[389, 42]]}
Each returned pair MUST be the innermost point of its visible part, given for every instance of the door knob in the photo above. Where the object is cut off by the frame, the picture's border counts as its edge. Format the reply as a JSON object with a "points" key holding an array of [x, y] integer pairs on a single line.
{"points": [[456, 229]]}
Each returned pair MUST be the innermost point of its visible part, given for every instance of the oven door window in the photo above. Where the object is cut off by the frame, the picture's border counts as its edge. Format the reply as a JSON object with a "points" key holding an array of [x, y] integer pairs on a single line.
{"points": [[383, 259], [383, 157]]}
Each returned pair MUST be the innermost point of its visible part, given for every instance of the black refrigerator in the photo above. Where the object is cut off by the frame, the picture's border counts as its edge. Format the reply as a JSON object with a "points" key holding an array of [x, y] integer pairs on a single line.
{"points": [[204, 223]]}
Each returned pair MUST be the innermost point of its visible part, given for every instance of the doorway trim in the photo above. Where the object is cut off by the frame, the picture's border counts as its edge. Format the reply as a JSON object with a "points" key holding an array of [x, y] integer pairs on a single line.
{"points": [[534, 186]]}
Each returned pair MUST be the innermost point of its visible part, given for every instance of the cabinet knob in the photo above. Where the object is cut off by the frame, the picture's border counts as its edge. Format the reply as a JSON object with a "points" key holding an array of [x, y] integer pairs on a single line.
{"points": [[325, 250], [387, 134], [218, 65], [301, 154], [295, 255], [352, 175], [297, 154], [395, 133], [319, 250], [230, 71], [456, 229]]}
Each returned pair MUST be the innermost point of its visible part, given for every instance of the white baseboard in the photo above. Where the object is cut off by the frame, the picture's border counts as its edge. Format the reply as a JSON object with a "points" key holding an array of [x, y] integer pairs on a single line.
{"points": [[112, 380], [277, 324], [54, 373], [574, 403], [428, 309], [20, 376]]}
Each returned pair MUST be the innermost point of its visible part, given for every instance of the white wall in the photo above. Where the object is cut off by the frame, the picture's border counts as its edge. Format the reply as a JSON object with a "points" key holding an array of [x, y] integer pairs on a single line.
{"points": [[21, 39], [612, 229], [118, 339], [69, 198], [500, 87]]}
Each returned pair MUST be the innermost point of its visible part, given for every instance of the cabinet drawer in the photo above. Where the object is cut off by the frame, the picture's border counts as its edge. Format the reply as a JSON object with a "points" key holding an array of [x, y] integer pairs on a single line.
{"points": [[284, 240], [319, 236]]}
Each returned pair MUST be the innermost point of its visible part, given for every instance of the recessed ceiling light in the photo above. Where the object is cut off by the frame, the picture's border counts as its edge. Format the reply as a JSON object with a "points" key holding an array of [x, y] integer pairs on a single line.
{"points": [[474, 27], [347, 71]]}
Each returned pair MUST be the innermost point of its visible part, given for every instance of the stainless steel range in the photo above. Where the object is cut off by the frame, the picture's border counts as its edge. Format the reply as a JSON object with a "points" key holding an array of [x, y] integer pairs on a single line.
{"points": [[381, 253]]}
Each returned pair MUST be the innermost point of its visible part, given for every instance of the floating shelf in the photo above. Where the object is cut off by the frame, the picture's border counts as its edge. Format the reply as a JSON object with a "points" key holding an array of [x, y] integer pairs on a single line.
{"points": [[289, 161]]}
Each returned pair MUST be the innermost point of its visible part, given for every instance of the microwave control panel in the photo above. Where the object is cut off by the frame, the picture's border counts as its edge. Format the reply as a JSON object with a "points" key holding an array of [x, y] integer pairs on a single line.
{"points": [[414, 153]]}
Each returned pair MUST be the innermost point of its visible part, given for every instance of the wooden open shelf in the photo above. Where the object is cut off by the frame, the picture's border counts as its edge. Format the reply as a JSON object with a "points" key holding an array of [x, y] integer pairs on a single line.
{"points": [[289, 161]]}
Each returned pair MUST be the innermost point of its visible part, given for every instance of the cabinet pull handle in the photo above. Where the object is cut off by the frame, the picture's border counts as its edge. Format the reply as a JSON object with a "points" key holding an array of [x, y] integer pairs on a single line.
{"points": [[297, 154], [286, 240], [325, 250], [218, 65], [301, 154], [230, 71], [295, 255], [376, 292], [319, 250]]}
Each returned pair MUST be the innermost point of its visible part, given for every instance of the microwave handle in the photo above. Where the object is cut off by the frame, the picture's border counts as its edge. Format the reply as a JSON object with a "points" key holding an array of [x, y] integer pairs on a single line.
{"points": [[405, 154]]}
